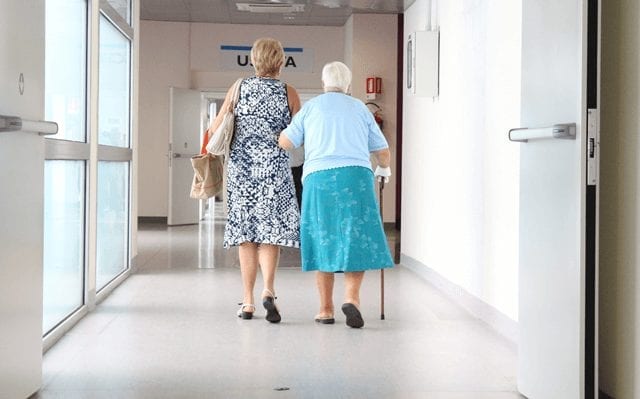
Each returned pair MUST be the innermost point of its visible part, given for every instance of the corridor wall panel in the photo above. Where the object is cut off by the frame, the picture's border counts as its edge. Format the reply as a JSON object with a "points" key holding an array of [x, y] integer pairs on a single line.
{"points": [[460, 173]]}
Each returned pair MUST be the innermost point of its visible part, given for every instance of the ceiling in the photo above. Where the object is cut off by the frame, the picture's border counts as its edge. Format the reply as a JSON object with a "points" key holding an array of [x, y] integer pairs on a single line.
{"points": [[316, 12]]}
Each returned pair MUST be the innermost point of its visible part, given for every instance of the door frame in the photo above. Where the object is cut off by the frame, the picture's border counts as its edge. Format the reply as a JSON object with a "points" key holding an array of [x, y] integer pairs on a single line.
{"points": [[592, 196]]}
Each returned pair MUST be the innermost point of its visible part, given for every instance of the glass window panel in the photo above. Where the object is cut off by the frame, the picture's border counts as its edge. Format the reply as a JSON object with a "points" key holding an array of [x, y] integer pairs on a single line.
{"points": [[113, 221], [65, 67], [122, 7], [64, 238], [114, 86]]}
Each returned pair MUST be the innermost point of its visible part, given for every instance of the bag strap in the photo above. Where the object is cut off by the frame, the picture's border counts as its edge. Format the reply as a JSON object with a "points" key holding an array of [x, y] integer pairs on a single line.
{"points": [[205, 140], [236, 94]]}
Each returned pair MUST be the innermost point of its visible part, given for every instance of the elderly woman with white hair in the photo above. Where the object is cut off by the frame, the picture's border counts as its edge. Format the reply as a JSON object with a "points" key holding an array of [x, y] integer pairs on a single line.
{"points": [[340, 227]]}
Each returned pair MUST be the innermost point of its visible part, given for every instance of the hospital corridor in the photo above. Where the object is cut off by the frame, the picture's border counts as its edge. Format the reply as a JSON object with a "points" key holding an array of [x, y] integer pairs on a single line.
{"points": [[170, 331], [429, 199]]}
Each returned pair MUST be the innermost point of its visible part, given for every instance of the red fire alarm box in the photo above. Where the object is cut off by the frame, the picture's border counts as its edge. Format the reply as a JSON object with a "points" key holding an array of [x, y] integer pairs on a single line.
{"points": [[373, 87]]}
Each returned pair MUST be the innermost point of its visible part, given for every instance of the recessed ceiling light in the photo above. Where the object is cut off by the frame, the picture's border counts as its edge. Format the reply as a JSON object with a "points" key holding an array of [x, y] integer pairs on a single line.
{"points": [[270, 8], [329, 3]]}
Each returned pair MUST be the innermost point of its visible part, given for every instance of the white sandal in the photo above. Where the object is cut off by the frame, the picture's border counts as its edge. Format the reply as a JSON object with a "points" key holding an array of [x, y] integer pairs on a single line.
{"points": [[244, 314]]}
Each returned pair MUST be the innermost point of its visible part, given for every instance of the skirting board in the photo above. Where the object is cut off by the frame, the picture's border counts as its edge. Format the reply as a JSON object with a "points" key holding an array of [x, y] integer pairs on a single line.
{"points": [[152, 219], [504, 325]]}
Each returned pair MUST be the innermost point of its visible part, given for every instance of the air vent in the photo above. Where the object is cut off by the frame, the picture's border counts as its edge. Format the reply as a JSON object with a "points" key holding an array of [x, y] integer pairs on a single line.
{"points": [[270, 8]]}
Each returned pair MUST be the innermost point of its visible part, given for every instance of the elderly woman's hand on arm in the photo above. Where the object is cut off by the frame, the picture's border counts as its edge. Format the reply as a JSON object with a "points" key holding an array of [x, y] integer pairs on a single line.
{"points": [[284, 142], [293, 99], [294, 106]]}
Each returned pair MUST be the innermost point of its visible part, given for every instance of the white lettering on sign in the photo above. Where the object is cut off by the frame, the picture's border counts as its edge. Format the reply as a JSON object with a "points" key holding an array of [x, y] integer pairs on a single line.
{"points": [[238, 58]]}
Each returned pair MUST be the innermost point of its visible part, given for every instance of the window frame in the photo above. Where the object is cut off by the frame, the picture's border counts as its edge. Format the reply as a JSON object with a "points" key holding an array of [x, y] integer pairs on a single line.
{"points": [[92, 152]]}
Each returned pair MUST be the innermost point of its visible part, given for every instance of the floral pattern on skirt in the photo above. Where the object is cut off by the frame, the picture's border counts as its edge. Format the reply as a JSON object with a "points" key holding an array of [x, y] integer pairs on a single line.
{"points": [[340, 228]]}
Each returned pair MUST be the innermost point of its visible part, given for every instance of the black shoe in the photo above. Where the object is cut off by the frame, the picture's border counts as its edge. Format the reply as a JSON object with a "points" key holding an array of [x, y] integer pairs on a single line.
{"points": [[354, 318], [269, 303]]}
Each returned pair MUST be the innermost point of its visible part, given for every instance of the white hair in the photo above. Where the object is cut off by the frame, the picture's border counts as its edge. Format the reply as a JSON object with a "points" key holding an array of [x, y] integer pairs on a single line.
{"points": [[336, 75]]}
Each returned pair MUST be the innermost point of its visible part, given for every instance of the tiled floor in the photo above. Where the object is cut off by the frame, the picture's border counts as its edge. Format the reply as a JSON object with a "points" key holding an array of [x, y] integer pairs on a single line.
{"points": [[170, 331]]}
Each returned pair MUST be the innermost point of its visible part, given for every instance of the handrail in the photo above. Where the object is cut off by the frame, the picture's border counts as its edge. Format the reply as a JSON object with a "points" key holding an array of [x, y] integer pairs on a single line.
{"points": [[560, 131], [15, 124]]}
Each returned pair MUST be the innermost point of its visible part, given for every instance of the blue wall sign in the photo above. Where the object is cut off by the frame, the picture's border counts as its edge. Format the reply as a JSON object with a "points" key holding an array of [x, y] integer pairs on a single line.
{"points": [[238, 58]]}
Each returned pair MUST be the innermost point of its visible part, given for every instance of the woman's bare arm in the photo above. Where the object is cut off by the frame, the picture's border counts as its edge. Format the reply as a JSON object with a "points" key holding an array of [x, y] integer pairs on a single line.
{"points": [[294, 100], [223, 109], [383, 157]]}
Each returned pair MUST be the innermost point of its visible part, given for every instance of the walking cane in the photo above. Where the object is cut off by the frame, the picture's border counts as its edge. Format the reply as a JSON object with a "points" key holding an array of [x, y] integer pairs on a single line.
{"points": [[381, 188]]}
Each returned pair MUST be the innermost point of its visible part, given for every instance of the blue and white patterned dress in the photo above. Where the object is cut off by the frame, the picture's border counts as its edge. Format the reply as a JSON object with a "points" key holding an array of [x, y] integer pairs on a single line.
{"points": [[262, 206]]}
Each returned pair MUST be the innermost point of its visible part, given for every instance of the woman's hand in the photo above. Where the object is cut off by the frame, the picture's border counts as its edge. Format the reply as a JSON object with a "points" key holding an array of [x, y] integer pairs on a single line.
{"points": [[383, 173]]}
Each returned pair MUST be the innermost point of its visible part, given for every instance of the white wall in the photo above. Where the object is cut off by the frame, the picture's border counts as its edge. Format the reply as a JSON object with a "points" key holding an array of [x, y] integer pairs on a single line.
{"points": [[186, 55], [619, 203], [374, 53], [164, 62], [326, 42], [460, 173]]}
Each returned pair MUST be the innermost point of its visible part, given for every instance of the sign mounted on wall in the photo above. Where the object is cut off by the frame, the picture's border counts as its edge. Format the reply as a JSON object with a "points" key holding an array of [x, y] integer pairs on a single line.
{"points": [[238, 58]]}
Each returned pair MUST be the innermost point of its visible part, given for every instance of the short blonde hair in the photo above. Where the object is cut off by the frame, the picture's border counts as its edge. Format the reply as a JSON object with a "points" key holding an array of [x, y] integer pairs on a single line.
{"points": [[336, 75], [267, 56]]}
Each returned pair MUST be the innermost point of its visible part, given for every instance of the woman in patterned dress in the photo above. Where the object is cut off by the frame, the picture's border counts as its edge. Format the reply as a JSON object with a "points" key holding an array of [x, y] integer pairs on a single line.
{"points": [[340, 227], [262, 208]]}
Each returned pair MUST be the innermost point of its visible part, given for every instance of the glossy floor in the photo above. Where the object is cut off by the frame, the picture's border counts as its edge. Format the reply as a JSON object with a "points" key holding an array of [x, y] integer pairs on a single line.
{"points": [[170, 331]]}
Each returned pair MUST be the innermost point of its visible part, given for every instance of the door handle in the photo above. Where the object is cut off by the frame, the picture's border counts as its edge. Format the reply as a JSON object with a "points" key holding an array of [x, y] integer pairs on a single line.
{"points": [[16, 124], [188, 156], [565, 131]]}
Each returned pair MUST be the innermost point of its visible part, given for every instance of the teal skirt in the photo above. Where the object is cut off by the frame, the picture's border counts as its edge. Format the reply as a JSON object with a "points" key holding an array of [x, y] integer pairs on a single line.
{"points": [[340, 225]]}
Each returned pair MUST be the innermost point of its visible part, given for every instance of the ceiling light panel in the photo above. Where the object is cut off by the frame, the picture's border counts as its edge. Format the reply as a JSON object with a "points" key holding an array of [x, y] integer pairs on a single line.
{"points": [[281, 8], [316, 12]]}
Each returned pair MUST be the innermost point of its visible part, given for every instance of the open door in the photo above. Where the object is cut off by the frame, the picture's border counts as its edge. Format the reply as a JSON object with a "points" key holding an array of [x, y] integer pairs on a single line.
{"points": [[184, 141], [558, 222], [22, 70]]}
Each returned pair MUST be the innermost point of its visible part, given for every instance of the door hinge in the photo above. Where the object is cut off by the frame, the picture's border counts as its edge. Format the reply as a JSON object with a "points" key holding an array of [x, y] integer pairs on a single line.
{"points": [[593, 145]]}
